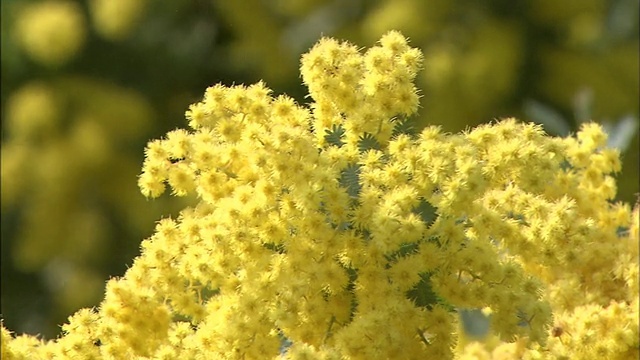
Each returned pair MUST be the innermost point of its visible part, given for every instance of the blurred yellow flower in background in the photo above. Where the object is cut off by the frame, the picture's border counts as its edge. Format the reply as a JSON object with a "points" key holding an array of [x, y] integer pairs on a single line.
{"points": [[53, 32], [116, 19]]}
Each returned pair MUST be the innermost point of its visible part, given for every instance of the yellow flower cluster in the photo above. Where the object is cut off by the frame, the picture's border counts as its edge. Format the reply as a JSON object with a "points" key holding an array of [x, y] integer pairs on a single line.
{"points": [[504, 351], [331, 231]]}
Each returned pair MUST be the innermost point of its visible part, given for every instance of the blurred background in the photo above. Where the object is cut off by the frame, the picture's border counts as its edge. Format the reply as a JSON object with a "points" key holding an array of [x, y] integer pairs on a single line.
{"points": [[85, 84]]}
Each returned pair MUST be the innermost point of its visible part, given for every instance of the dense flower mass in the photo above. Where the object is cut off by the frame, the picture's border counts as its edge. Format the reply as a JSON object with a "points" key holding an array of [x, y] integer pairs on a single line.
{"points": [[337, 231]]}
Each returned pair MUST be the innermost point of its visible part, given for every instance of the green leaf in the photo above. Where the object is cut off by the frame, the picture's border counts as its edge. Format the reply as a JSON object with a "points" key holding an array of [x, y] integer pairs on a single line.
{"points": [[621, 134], [428, 213], [350, 179], [553, 122], [404, 126], [334, 136], [368, 142], [404, 250], [423, 295]]}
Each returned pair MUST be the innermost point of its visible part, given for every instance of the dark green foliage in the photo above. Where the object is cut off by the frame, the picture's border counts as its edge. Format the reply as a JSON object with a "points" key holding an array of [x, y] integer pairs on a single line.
{"points": [[279, 248], [426, 211], [334, 136], [368, 142], [423, 295], [404, 250], [404, 126], [350, 179]]}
